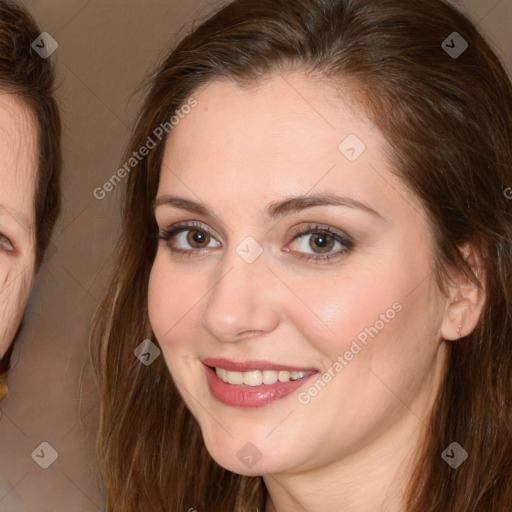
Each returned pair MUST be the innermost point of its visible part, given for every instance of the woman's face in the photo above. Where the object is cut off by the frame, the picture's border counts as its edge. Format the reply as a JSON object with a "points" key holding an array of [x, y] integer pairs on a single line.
{"points": [[254, 285], [18, 166]]}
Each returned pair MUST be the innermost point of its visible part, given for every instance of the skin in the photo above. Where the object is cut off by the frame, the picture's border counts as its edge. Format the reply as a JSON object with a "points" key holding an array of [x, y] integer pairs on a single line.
{"points": [[350, 448], [17, 216]]}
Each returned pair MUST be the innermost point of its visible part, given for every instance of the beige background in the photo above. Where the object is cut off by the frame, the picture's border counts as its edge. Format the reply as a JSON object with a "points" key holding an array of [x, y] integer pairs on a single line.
{"points": [[105, 49]]}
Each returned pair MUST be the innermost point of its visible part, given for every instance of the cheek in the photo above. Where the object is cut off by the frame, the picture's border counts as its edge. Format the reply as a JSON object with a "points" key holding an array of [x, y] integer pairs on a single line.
{"points": [[338, 308], [377, 316], [14, 292], [173, 299], [174, 305]]}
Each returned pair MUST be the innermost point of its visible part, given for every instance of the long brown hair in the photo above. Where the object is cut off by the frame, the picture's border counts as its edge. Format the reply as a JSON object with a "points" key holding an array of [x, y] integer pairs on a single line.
{"points": [[448, 121]]}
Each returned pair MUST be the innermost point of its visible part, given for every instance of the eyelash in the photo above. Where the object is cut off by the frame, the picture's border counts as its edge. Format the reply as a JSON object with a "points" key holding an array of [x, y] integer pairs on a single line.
{"points": [[168, 234]]}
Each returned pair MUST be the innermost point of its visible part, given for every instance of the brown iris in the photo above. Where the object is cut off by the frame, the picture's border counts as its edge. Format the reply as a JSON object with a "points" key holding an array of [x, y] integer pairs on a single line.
{"points": [[196, 236], [322, 241]]}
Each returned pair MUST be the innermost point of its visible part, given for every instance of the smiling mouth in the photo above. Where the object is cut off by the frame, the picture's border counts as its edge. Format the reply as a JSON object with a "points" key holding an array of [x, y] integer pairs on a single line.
{"points": [[260, 377]]}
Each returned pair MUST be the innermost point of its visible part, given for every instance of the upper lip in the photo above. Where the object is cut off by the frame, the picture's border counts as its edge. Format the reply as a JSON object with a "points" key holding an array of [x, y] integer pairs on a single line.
{"points": [[245, 366]]}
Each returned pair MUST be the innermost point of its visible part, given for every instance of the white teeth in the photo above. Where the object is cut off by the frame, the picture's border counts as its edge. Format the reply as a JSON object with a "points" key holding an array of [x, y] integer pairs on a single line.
{"points": [[253, 378], [270, 376], [257, 377], [235, 377], [284, 376], [222, 374]]}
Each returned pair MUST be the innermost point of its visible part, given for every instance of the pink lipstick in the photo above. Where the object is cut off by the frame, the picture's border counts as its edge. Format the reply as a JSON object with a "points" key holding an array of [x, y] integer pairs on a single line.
{"points": [[253, 383]]}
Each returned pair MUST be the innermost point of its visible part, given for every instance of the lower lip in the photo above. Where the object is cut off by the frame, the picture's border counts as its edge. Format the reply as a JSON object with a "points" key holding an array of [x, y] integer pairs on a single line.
{"points": [[250, 396]]}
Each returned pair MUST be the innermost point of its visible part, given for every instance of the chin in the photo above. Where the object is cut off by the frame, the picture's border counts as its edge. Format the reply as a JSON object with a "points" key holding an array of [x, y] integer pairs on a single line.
{"points": [[236, 466], [247, 458]]}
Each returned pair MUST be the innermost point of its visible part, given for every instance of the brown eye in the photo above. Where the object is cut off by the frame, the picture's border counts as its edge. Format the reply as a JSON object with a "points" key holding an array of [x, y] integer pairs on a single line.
{"points": [[188, 239], [197, 237], [322, 241]]}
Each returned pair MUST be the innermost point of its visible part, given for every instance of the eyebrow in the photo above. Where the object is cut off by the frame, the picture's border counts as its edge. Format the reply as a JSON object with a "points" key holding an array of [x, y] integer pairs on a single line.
{"points": [[274, 210]]}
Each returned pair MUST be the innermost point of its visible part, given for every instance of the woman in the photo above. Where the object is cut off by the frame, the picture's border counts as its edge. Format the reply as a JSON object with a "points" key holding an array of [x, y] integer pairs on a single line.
{"points": [[30, 167], [311, 299]]}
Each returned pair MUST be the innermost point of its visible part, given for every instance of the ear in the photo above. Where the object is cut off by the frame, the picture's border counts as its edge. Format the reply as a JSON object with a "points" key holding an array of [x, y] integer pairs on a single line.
{"points": [[465, 299]]}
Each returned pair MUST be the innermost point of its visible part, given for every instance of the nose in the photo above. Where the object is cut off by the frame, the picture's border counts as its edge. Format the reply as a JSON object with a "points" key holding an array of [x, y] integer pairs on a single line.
{"points": [[243, 299]]}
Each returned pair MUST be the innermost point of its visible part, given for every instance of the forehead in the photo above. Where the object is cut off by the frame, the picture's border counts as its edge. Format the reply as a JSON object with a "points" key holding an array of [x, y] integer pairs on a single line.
{"points": [[18, 160], [279, 138], [283, 122], [273, 112]]}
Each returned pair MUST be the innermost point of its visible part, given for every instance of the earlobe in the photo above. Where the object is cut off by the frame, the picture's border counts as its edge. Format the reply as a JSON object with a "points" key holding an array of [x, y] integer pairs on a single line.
{"points": [[466, 300], [455, 321]]}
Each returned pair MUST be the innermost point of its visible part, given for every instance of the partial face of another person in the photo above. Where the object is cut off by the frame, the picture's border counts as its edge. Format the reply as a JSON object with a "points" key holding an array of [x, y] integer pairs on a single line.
{"points": [[18, 165], [318, 316]]}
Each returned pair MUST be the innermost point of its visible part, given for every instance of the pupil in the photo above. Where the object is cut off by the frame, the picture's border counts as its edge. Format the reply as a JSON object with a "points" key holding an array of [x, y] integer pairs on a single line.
{"points": [[321, 240]]}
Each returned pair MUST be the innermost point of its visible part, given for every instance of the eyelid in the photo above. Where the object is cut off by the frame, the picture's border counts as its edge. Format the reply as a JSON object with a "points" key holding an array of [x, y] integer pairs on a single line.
{"points": [[161, 219], [185, 225], [315, 227], [191, 224]]}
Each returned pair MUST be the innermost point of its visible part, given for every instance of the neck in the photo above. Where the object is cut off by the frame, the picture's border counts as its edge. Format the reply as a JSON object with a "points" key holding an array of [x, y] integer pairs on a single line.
{"points": [[373, 479]]}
